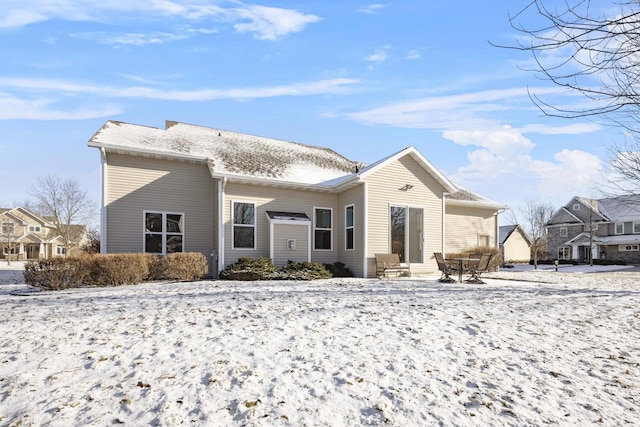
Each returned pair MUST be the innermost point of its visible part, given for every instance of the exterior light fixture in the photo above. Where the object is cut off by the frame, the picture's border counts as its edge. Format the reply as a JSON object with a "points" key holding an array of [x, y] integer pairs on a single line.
{"points": [[406, 187]]}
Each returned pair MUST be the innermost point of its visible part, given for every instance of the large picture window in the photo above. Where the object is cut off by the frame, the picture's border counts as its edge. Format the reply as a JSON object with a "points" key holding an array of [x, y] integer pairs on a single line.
{"points": [[163, 232], [322, 218], [349, 227], [244, 225]]}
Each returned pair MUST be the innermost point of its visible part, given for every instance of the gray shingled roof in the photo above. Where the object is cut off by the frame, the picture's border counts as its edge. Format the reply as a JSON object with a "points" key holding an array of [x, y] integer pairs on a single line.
{"points": [[230, 152]]}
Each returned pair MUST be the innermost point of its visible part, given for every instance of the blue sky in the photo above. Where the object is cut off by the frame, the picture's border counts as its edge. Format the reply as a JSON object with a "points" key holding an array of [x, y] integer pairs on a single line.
{"points": [[365, 79]]}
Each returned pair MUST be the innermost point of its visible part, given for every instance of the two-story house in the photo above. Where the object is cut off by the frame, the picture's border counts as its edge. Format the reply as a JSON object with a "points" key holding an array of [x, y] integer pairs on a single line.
{"points": [[26, 235], [605, 228]]}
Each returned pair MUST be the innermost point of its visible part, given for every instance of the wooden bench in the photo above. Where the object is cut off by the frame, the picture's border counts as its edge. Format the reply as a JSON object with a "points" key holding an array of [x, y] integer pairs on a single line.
{"points": [[390, 263]]}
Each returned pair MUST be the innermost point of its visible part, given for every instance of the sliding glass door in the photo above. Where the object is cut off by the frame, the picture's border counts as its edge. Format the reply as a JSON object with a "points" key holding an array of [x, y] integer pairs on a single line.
{"points": [[407, 238]]}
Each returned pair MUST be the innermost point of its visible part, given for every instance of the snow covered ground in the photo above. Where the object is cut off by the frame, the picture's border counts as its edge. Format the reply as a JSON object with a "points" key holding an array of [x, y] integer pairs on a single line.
{"points": [[562, 349]]}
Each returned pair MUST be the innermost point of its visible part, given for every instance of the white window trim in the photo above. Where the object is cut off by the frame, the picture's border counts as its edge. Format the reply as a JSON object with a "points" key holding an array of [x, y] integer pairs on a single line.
{"points": [[35, 229], [7, 224], [636, 224], [60, 250], [315, 208], [576, 206], [164, 231], [255, 225], [615, 228], [564, 232], [353, 227]]}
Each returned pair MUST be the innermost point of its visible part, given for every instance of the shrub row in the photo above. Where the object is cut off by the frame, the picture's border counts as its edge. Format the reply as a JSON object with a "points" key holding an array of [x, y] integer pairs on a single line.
{"points": [[263, 269], [113, 270]]}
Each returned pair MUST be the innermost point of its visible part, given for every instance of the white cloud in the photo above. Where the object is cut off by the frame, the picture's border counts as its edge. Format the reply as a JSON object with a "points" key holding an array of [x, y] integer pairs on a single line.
{"points": [[413, 55], [270, 23], [266, 23], [131, 39], [371, 9], [12, 108], [378, 56], [319, 87]]}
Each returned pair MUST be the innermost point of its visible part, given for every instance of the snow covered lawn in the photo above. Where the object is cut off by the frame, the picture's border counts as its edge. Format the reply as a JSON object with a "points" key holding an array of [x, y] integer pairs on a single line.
{"points": [[338, 352]]}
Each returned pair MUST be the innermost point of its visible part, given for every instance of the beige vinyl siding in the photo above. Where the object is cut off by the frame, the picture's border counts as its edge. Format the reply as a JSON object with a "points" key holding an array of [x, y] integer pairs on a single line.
{"points": [[275, 199], [138, 184], [284, 232], [516, 248], [384, 191], [353, 259], [464, 225]]}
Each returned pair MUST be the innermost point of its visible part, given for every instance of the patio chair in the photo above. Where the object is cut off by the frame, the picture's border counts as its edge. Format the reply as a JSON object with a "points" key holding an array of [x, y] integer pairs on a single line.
{"points": [[481, 267], [445, 268]]}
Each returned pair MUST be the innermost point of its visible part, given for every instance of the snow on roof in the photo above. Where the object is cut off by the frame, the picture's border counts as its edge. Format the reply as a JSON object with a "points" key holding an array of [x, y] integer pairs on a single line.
{"points": [[464, 195], [622, 208], [230, 152]]}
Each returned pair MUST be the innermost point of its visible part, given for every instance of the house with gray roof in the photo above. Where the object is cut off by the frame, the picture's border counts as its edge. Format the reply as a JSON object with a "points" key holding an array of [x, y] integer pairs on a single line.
{"points": [[230, 195], [607, 229]]}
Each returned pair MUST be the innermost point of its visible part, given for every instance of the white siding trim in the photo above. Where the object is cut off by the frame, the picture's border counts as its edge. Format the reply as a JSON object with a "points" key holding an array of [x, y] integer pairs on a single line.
{"points": [[103, 202], [222, 183], [444, 216], [365, 227]]}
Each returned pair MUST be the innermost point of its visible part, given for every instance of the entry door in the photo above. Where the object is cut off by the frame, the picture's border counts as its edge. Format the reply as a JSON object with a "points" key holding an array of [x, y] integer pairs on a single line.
{"points": [[407, 239]]}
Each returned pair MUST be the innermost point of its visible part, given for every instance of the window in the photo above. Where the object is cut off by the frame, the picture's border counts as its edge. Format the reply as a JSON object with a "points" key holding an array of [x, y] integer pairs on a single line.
{"points": [[628, 248], [483, 240], [61, 250], [619, 228], [244, 225], [636, 227], [563, 232], [11, 251], [322, 229], [8, 228], [564, 252], [35, 228], [576, 207], [349, 226], [163, 232]]}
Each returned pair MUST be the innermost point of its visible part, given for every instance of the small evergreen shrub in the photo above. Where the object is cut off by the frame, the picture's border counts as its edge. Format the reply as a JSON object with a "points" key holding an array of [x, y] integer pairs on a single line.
{"points": [[338, 269], [247, 268], [263, 269], [301, 271]]}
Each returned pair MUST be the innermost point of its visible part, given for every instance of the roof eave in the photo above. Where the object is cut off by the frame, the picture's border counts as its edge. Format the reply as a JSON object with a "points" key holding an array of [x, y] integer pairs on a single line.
{"points": [[145, 152]]}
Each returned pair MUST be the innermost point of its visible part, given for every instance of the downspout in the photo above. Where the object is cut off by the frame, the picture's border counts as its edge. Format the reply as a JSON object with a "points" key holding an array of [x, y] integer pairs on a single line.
{"points": [[103, 202], [222, 184]]}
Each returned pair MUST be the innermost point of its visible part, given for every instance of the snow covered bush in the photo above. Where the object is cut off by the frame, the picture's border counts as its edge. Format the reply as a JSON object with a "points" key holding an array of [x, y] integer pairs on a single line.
{"points": [[338, 269]]}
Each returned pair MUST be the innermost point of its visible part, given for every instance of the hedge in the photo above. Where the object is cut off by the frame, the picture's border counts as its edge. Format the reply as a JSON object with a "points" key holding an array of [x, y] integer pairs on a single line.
{"points": [[113, 270]]}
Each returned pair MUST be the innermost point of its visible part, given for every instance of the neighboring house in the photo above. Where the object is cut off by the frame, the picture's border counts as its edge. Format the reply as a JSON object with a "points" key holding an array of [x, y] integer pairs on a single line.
{"points": [[515, 245], [607, 228], [25, 235], [229, 195]]}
